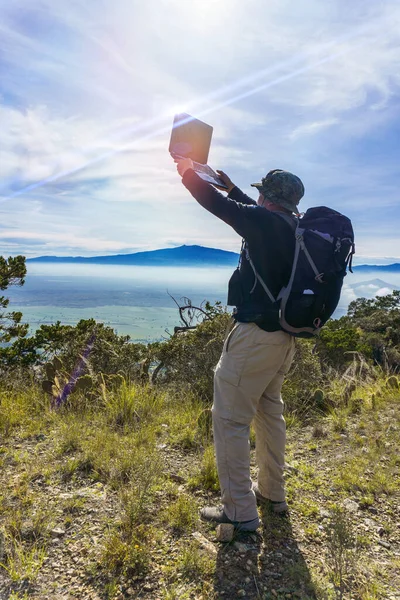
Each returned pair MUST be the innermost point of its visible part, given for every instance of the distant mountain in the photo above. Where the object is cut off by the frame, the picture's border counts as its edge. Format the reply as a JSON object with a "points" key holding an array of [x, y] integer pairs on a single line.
{"points": [[182, 256], [395, 267], [371, 288], [377, 283]]}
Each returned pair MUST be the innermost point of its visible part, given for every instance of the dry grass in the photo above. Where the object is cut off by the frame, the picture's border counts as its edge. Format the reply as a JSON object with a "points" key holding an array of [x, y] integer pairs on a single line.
{"points": [[120, 457]]}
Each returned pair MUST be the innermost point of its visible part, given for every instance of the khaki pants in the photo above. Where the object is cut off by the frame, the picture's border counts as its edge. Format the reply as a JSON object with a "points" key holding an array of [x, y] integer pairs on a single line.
{"points": [[247, 385]]}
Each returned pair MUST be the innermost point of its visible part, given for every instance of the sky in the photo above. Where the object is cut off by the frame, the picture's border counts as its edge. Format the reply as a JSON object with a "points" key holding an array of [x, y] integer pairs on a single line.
{"points": [[88, 91]]}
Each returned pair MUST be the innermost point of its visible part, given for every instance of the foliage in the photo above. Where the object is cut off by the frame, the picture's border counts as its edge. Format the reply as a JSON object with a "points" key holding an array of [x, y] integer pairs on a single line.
{"points": [[370, 328], [90, 360], [12, 272], [62, 386], [341, 545], [297, 390], [100, 348], [188, 358]]}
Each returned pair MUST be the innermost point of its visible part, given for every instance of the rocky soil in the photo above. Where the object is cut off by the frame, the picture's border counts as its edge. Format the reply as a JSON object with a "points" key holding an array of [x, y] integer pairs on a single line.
{"points": [[290, 557]]}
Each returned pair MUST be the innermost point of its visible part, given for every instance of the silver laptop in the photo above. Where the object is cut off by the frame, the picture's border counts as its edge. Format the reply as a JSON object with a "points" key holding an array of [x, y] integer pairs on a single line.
{"points": [[191, 138]]}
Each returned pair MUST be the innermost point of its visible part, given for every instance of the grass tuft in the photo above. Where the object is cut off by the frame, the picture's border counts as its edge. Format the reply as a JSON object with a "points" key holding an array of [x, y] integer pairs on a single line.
{"points": [[182, 514], [207, 475]]}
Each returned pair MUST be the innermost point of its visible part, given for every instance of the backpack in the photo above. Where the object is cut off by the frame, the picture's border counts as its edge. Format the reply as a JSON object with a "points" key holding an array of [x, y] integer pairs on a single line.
{"points": [[323, 251]]}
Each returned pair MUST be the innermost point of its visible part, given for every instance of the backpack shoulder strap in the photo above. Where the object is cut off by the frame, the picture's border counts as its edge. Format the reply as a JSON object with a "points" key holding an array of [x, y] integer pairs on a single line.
{"points": [[291, 220], [260, 279]]}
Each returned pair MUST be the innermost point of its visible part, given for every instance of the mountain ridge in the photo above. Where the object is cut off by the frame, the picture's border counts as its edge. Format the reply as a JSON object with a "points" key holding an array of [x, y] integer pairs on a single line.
{"points": [[179, 256]]}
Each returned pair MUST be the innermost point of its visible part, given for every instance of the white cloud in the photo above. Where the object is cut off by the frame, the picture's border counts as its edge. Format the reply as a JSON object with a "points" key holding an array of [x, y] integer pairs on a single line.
{"points": [[283, 84], [385, 291], [311, 128]]}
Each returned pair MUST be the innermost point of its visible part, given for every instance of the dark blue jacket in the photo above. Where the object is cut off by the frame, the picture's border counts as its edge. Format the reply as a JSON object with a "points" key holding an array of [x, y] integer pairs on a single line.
{"points": [[270, 241]]}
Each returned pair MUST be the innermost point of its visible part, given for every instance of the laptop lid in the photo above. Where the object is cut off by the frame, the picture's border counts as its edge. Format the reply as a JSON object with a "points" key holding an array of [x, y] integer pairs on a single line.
{"points": [[190, 138]]}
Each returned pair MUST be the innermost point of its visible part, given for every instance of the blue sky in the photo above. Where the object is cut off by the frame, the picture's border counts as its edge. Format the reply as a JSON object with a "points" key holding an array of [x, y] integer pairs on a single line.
{"points": [[88, 91]]}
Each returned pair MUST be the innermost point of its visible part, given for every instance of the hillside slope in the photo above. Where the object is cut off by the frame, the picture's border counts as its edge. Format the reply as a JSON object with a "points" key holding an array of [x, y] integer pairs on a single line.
{"points": [[91, 510]]}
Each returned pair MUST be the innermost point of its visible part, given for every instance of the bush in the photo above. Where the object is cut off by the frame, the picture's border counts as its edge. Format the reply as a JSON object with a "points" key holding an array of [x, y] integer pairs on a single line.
{"points": [[188, 358], [298, 390]]}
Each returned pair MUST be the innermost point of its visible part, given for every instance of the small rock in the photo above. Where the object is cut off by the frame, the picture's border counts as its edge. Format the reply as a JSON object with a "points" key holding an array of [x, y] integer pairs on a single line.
{"points": [[204, 542], [57, 532], [242, 548], [324, 513], [241, 593], [350, 505], [27, 531], [380, 531], [384, 544], [225, 532], [271, 574], [369, 522]]}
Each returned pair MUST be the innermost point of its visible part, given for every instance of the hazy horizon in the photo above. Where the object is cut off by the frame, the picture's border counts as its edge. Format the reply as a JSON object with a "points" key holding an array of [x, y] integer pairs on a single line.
{"points": [[136, 300], [357, 260]]}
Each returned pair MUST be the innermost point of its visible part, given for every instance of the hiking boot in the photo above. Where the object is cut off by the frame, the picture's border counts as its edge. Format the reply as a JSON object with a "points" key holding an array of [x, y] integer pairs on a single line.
{"points": [[277, 506], [215, 514]]}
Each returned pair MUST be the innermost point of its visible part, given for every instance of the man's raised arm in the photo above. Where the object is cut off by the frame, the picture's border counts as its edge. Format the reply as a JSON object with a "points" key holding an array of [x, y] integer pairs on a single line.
{"points": [[227, 209]]}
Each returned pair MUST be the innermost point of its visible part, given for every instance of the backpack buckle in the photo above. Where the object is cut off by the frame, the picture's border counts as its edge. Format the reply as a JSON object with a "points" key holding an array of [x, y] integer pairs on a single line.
{"points": [[319, 277]]}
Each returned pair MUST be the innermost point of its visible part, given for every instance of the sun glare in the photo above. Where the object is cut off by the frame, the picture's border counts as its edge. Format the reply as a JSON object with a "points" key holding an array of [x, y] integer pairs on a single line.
{"points": [[177, 109]]}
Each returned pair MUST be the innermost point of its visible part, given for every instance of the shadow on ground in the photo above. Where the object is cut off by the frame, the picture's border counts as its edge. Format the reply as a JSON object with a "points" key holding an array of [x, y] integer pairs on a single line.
{"points": [[265, 565]]}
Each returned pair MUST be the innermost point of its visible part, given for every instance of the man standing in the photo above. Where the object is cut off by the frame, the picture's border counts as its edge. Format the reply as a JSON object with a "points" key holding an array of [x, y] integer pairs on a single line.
{"points": [[257, 353]]}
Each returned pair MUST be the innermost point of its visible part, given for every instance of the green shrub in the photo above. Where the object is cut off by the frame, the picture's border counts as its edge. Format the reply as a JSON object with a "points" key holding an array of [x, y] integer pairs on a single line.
{"points": [[207, 475]]}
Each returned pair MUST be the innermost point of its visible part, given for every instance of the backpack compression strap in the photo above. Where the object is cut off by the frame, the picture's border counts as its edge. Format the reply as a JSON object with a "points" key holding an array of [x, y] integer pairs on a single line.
{"points": [[285, 292]]}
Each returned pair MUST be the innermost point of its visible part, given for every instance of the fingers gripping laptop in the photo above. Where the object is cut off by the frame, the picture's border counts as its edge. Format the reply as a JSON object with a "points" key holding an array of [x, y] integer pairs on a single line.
{"points": [[191, 138]]}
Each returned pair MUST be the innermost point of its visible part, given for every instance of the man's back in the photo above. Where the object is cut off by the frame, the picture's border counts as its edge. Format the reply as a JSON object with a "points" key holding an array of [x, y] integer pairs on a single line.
{"points": [[270, 243]]}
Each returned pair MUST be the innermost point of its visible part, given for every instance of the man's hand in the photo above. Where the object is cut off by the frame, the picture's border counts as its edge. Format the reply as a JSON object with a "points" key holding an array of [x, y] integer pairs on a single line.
{"points": [[183, 164], [230, 185]]}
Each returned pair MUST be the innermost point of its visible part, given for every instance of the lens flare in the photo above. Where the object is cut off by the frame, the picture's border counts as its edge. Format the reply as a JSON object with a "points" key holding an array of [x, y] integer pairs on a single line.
{"points": [[223, 97]]}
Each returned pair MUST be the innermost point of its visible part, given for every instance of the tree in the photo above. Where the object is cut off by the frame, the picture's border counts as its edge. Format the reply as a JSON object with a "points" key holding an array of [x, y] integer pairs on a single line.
{"points": [[371, 328], [109, 353], [12, 272]]}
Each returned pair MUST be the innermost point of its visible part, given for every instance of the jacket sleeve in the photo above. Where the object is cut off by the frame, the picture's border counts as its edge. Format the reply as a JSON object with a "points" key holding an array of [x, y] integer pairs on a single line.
{"points": [[237, 194], [230, 211]]}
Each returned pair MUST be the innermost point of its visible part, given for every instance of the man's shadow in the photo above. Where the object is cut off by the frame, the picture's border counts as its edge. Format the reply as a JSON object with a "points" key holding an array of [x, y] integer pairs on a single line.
{"points": [[264, 565]]}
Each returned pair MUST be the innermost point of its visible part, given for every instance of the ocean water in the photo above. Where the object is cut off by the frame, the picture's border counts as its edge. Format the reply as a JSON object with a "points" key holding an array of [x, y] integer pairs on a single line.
{"points": [[137, 301]]}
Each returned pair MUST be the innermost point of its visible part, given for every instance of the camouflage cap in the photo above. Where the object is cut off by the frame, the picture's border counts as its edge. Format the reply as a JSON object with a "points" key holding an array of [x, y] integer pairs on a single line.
{"points": [[281, 187]]}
